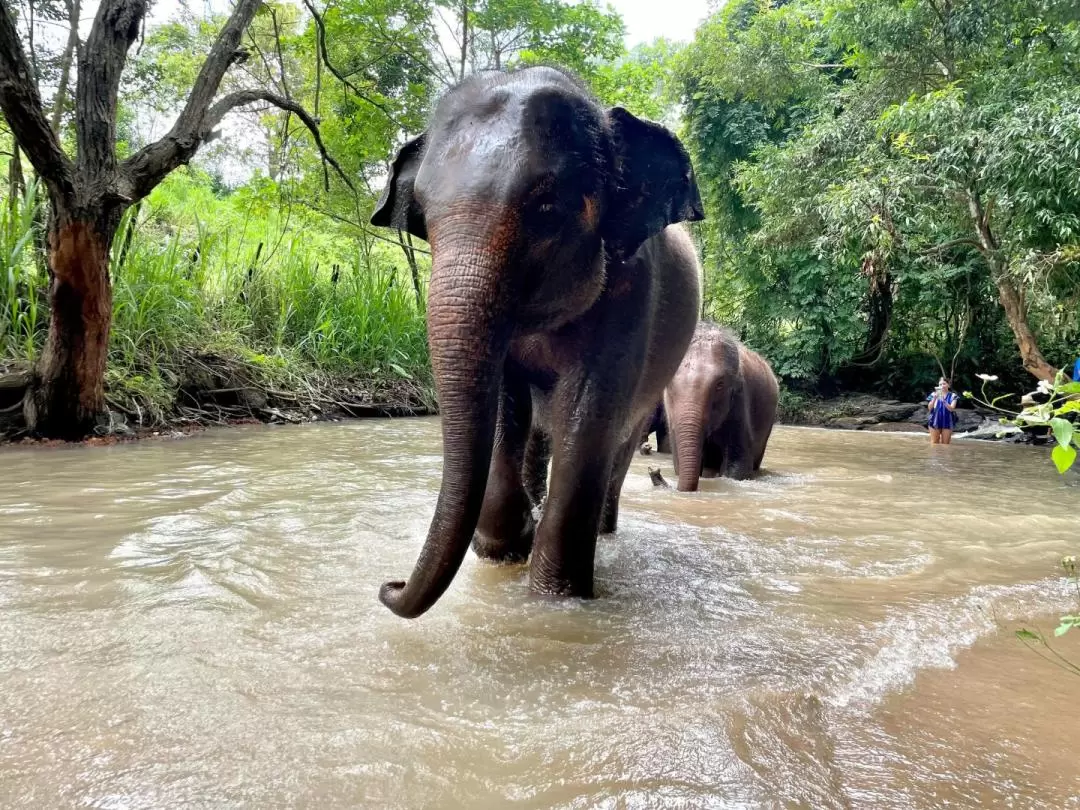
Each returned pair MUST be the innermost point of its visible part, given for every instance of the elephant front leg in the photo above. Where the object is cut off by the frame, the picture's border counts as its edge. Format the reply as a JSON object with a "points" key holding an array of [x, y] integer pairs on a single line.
{"points": [[610, 519], [505, 530], [735, 459], [581, 467]]}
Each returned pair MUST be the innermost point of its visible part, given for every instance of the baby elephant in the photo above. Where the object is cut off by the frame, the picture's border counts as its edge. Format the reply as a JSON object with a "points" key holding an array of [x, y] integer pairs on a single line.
{"points": [[720, 408]]}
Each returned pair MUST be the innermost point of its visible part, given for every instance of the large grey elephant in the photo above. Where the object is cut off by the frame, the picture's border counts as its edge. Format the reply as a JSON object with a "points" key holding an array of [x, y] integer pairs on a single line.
{"points": [[720, 407], [563, 295]]}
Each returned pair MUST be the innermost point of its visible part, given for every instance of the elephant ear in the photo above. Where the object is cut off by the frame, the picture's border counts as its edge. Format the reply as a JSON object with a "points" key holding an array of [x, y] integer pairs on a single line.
{"points": [[397, 207], [654, 184]]}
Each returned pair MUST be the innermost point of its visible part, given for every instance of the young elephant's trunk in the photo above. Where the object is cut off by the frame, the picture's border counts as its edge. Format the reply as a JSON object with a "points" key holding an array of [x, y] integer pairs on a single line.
{"points": [[684, 408], [468, 334], [687, 430]]}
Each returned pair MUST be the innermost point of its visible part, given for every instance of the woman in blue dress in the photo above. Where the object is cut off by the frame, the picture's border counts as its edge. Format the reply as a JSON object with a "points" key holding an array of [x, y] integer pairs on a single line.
{"points": [[941, 404]]}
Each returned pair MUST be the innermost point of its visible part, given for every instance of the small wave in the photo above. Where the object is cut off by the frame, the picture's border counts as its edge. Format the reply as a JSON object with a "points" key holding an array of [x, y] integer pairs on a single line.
{"points": [[931, 635]]}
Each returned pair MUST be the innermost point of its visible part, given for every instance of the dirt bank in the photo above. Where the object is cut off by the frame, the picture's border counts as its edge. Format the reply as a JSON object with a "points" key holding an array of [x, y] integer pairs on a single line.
{"points": [[212, 390]]}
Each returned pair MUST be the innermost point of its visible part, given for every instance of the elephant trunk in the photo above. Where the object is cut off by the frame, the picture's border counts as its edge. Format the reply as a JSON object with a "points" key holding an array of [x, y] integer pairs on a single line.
{"points": [[468, 334], [687, 430]]}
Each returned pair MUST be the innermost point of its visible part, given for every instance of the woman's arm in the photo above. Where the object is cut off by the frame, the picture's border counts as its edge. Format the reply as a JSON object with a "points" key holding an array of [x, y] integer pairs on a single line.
{"points": [[951, 401]]}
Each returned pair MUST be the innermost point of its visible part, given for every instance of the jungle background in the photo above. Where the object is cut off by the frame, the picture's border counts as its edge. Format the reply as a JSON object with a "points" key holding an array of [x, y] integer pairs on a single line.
{"points": [[892, 187]]}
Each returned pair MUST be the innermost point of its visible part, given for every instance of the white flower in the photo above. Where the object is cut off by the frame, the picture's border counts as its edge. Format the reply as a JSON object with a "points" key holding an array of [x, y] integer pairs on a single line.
{"points": [[987, 377], [1046, 387]]}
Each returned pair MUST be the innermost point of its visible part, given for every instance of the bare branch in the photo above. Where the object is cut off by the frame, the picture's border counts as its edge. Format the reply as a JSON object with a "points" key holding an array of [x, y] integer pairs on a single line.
{"points": [[390, 41], [242, 97], [223, 53], [21, 104], [360, 225], [280, 55], [438, 43], [101, 62], [944, 246]]}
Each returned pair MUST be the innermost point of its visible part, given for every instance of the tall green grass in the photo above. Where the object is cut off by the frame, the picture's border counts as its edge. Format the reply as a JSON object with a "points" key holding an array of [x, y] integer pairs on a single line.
{"points": [[23, 318], [241, 276]]}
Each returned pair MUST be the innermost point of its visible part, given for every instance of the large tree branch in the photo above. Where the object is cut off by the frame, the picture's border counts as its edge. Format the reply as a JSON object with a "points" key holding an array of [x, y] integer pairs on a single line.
{"points": [[140, 173], [243, 97], [223, 54], [21, 104], [101, 62], [145, 169]]}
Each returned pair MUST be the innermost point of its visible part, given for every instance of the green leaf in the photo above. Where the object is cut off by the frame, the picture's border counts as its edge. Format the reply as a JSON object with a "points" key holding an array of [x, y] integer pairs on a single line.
{"points": [[1063, 458], [1027, 635], [1067, 624], [1063, 431]]}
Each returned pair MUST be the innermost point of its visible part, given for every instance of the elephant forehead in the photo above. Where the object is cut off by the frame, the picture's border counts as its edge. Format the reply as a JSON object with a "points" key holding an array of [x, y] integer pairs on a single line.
{"points": [[474, 161], [504, 139]]}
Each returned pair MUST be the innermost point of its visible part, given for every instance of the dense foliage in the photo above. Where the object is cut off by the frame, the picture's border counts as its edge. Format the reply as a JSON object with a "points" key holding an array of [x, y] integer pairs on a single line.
{"points": [[892, 185]]}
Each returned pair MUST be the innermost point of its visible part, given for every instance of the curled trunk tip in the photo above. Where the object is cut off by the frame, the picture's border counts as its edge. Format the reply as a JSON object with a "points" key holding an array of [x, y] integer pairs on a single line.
{"points": [[392, 595]]}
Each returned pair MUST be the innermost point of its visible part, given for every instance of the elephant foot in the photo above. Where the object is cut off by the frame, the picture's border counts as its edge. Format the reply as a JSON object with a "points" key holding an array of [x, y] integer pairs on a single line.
{"points": [[501, 549], [609, 523], [548, 578], [561, 588]]}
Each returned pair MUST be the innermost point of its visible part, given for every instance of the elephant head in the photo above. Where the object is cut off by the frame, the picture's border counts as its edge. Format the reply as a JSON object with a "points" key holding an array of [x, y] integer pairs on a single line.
{"points": [[699, 397], [525, 188]]}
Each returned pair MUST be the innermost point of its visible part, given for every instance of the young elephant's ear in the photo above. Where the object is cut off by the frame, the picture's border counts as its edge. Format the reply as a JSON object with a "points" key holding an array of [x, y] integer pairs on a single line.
{"points": [[397, 207], [654, 184]]}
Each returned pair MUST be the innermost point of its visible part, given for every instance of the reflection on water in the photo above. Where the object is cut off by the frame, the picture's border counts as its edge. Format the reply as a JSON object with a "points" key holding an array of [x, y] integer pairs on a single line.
{"points": [[196, 624]]}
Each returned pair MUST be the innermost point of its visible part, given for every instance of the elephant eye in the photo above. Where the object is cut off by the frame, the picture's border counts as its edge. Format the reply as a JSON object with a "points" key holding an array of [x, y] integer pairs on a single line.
{"points": [[547, 204]]}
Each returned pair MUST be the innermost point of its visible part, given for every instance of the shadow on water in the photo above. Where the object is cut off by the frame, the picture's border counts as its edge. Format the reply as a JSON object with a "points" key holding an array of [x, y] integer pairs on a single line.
{"points": [[195, 624]]}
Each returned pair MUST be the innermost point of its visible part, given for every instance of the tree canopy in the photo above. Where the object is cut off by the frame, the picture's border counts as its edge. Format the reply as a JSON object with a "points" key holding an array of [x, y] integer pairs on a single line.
{"points": [[892, 182]]}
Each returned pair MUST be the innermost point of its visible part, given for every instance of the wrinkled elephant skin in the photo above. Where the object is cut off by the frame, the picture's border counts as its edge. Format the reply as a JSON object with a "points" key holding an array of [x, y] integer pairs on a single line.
{"points": [[720, 408], [563, 295]]}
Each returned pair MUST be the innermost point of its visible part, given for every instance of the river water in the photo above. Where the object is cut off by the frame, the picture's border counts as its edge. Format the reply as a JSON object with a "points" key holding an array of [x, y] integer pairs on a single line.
{"points": [[195, 624]]}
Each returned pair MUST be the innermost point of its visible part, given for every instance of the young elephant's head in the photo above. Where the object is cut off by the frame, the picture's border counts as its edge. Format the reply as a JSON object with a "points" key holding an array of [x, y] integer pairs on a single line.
{"points": [[525, 187]]}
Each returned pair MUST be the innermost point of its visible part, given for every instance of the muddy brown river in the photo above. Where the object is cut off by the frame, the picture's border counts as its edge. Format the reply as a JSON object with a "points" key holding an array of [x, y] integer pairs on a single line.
{"points": [[195, 624]]}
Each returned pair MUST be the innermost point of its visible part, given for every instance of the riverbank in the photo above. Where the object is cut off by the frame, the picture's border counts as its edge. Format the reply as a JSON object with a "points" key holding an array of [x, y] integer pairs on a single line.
{"points": [[868, 412], [211, 390]]}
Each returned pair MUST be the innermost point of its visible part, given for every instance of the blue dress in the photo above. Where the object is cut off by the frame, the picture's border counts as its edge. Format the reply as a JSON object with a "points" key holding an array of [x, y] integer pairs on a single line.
{"points": [[941, 418], [1076, 371]]}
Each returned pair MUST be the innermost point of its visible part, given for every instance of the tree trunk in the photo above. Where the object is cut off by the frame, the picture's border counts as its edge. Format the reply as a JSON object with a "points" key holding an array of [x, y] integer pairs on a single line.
{"points": [[879, 307], [1012, 300], [414, 269], [464, 37], [16, 184], [69, 390], [1016, 313]]}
